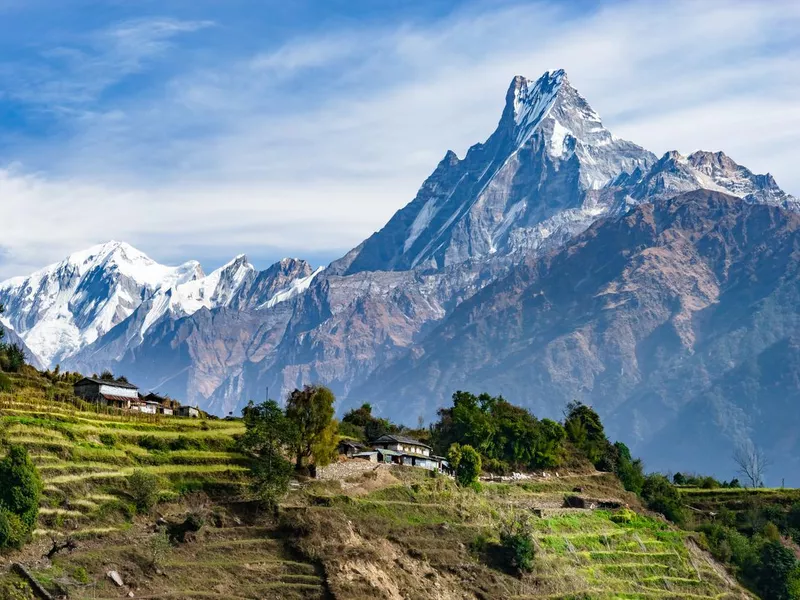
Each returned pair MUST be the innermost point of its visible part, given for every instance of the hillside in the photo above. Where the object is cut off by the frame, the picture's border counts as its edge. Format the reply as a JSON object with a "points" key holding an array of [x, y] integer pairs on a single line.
{"points": [[378, 532], [677, 322]]}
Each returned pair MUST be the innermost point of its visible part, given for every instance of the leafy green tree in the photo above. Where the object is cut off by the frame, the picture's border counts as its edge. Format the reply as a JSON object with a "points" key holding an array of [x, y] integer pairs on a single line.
{"points": [[585, 430], [20, 492], [107, 375], [268, 435], [506, 436], [661, 496], [469, 466], [360, 416], [629, 471], [778, 567], [310, 411], [15, 356]]}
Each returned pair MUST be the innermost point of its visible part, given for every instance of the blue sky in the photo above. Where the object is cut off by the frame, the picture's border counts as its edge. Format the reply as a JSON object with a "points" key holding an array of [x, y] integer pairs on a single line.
{"points": [[202, 128]]}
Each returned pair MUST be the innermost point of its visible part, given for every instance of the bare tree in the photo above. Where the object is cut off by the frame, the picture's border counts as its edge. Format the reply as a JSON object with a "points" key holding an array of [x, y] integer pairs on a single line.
{"points": [[751, 463]]}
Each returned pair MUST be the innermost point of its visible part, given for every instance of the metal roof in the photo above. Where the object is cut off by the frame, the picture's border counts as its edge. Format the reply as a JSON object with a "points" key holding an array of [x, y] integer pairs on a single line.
{"points": [[392, 452], [400, 439], [109, 382]]}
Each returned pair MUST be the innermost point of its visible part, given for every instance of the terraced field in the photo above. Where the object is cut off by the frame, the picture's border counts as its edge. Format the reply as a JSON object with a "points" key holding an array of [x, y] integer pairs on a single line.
{"points": [[394, 533], [84, 459], [580, 553]]}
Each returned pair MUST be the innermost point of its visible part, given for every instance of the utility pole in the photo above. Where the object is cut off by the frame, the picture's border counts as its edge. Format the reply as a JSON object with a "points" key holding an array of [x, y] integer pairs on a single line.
{"points": [[267, 393]]}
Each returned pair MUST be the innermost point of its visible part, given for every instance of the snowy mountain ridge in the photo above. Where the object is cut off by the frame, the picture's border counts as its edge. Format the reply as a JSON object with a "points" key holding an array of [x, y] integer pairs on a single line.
{"points": [[67, 306]]}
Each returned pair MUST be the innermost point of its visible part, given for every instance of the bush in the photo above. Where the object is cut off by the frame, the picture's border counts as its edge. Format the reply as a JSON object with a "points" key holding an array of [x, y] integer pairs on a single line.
{"points": [[12, 531], [516, 543], [108, 439], [660, 496], [144, 488], [469, 467], [186, 443], [5, 383], [154, 444], [20, 492]]}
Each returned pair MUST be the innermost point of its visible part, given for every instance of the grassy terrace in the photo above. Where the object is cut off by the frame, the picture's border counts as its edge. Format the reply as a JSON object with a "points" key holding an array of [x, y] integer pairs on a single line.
{"points": [[84, 458], [400, 529], [580, 554]]}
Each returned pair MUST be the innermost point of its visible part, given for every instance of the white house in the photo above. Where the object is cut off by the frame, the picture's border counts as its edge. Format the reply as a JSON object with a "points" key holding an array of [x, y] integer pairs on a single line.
{"points": [[402, 444]]}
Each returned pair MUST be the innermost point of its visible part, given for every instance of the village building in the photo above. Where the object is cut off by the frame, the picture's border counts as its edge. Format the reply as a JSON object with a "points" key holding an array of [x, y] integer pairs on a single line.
{"points": [[189, 411], [165, 406], [349, 448], [402, 444], [115, 394], [398, 450]]}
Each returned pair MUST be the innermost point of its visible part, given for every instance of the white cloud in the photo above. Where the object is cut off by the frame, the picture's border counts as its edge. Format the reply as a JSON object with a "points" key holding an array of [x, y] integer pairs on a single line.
{"points": [[322, 139]]}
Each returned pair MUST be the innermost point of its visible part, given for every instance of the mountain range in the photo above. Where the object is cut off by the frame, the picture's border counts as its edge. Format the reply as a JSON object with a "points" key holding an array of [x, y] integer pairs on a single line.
{"points": [[552, 262]]}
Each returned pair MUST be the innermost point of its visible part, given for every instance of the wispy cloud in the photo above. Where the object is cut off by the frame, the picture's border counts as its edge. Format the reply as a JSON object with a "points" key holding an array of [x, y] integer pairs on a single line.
{"points": [[69, 75], [315, 142]]}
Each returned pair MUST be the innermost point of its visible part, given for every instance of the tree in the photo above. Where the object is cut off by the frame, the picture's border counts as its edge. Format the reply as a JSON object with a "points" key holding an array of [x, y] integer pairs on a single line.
{"points": [[267, 437], [107, 375], [15, 356], [585, 430], [310, 411], [360, 416], [751, 463], [144, 488], [777, 569], [20, 492], [661, 496], [469, 466]]}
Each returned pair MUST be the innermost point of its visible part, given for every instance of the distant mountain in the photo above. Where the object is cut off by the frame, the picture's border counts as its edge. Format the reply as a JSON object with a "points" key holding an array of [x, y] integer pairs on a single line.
{"points": [[540, 175], [678, 322], [552, 261], [66, 308]]}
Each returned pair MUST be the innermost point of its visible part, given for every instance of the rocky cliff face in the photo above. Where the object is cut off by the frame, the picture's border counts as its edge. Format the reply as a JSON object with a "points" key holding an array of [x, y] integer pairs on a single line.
{"points": [[541, 173], [663, 319]]}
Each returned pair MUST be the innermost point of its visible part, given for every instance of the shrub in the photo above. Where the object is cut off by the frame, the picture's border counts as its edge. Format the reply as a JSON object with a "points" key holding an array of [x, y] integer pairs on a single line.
{"points": [[144, 488], [153, 443], [80, 575], [12, 531], [516, 543], [469, 467], [660, 496], [183, 442], [20, 492], [108, 439], [5, 383]]}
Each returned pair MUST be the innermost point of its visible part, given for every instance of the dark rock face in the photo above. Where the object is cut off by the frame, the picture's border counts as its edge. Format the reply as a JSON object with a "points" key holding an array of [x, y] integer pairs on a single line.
{"points": [[678, 322]]}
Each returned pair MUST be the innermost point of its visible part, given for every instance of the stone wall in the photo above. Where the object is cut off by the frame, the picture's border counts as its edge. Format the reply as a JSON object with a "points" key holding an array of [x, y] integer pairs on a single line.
{"points": [[349, 468]]}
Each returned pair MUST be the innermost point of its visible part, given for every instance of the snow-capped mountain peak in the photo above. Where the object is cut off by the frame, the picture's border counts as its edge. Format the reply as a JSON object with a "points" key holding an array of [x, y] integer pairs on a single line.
{"points": [[537, 175], [675, 173], [67, 306]]}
